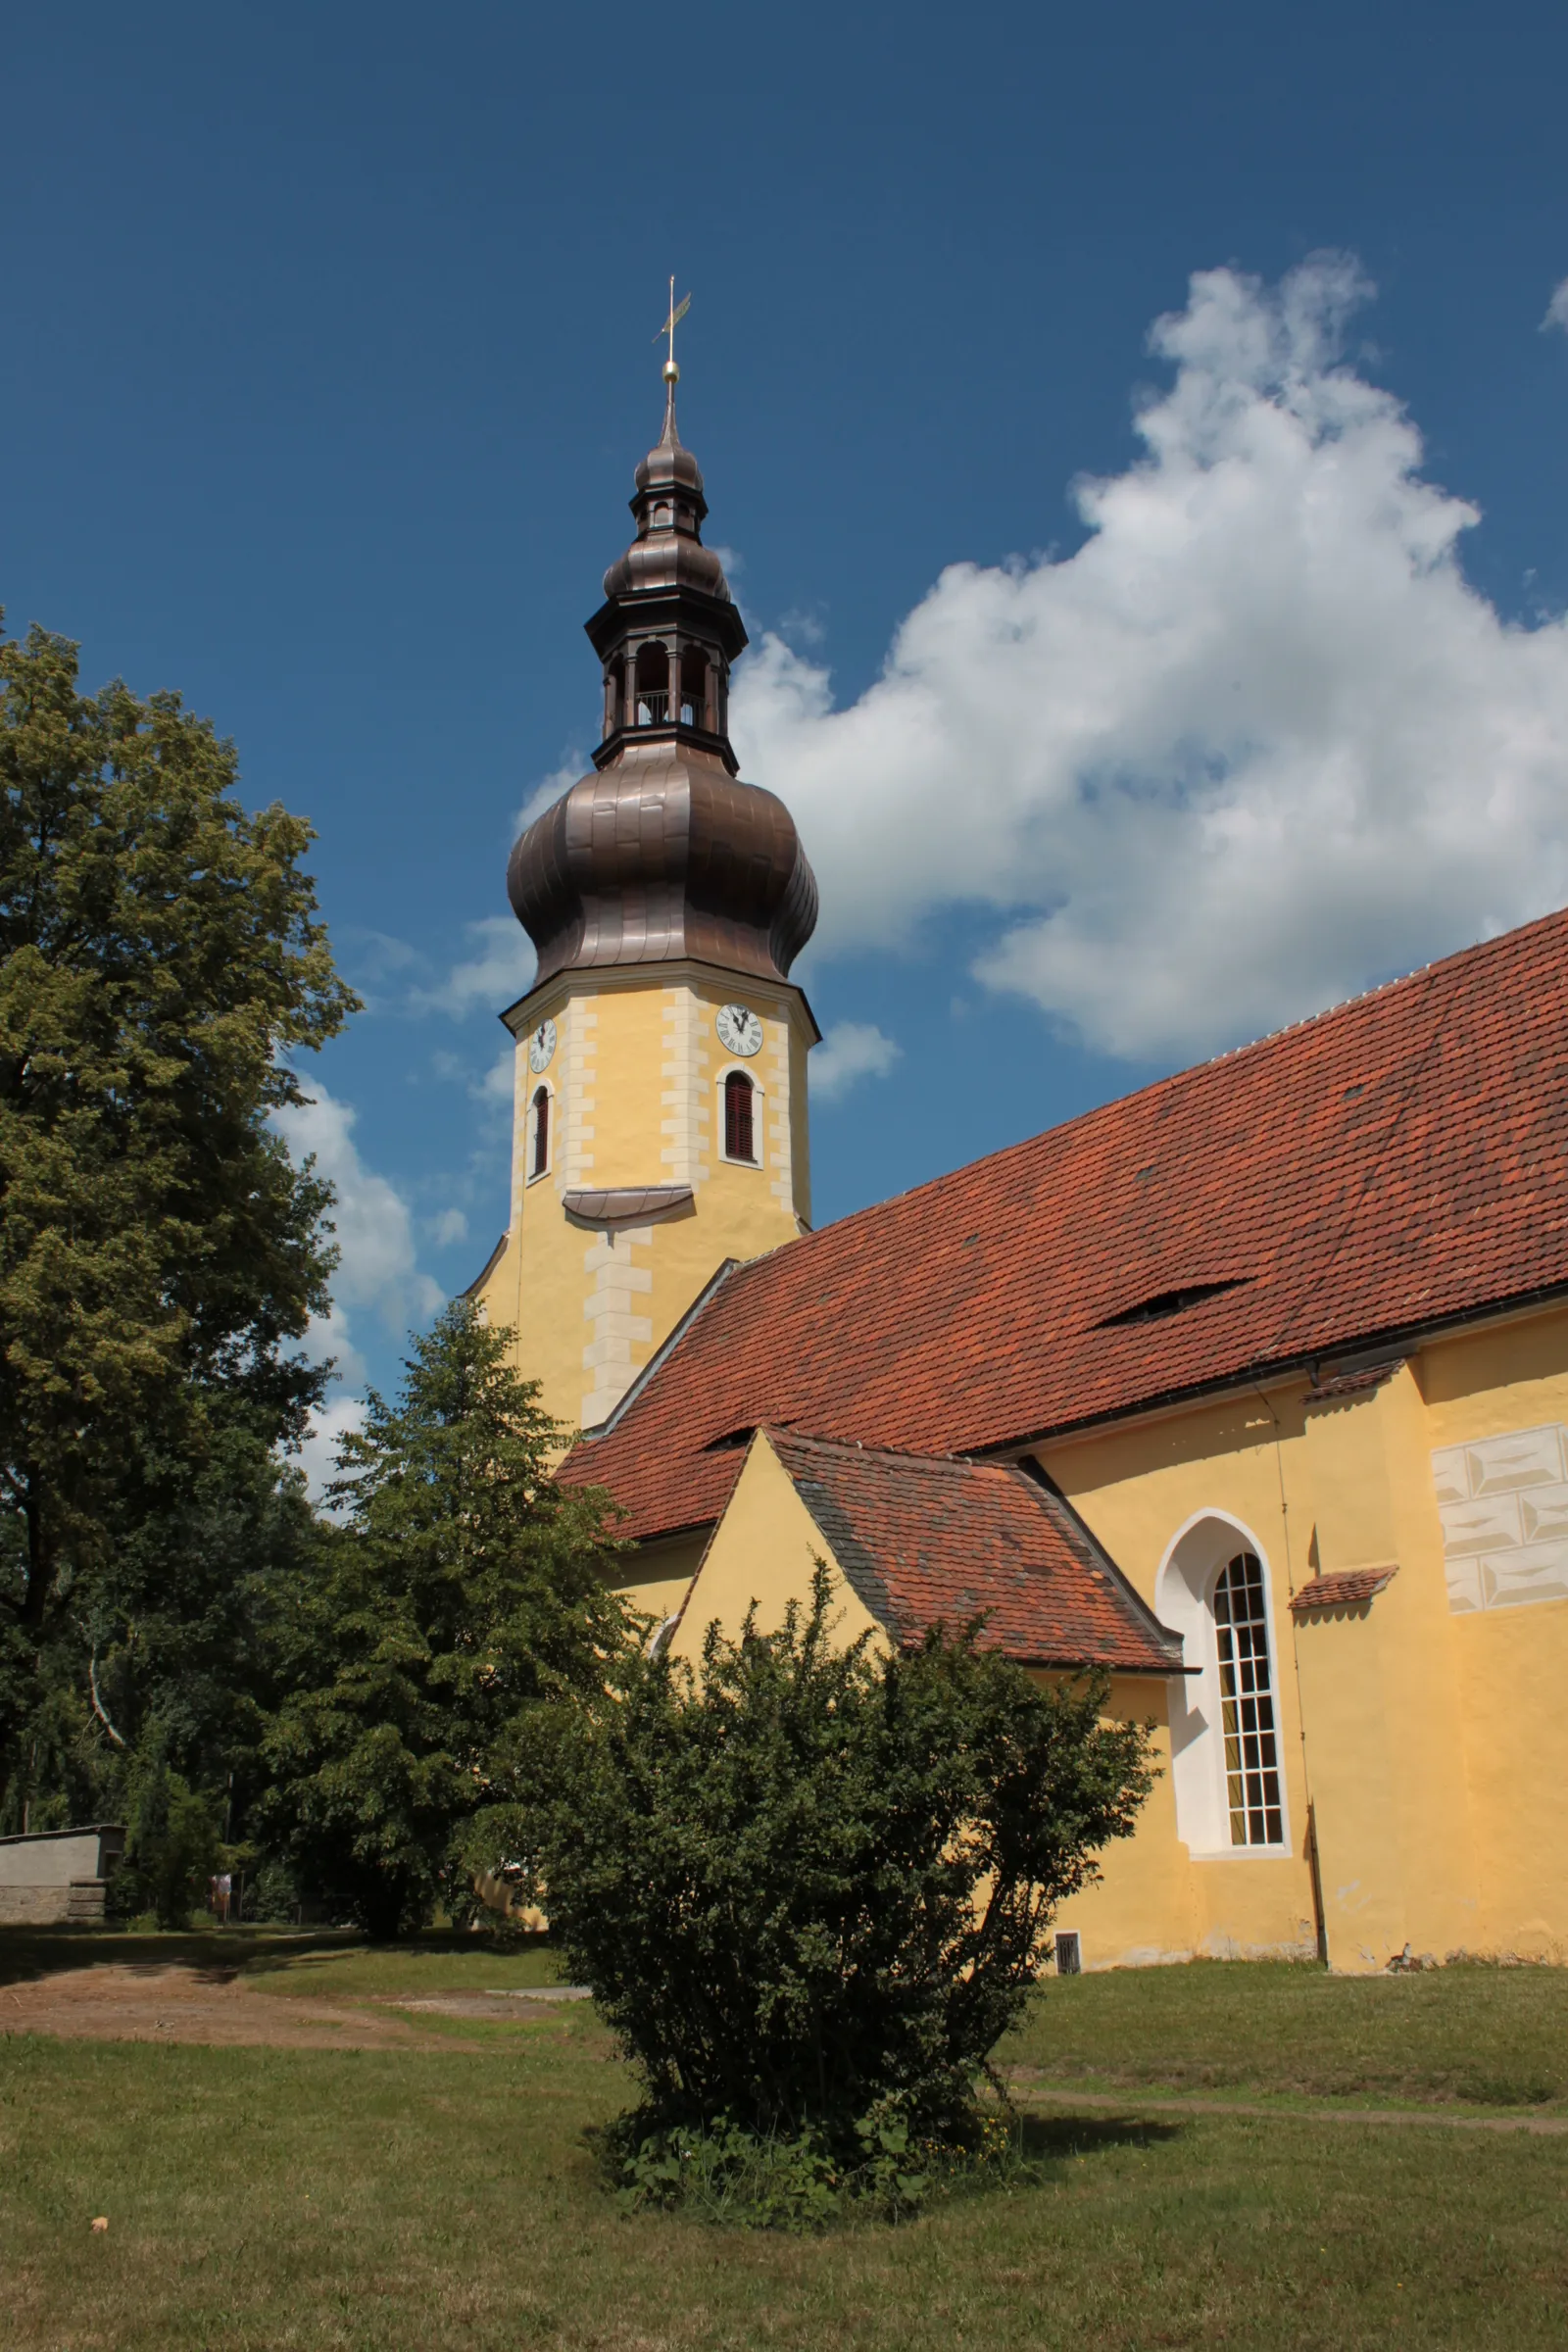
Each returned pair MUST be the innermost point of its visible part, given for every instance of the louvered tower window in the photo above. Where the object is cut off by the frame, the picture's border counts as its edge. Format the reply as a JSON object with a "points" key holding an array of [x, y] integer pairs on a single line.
{"points": [[1246, 1703], [541, 1131], [738, 1117]]}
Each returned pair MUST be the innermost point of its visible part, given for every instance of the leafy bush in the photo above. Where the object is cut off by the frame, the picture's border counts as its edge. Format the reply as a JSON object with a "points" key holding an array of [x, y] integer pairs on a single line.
{"points": [[813, 1881]]}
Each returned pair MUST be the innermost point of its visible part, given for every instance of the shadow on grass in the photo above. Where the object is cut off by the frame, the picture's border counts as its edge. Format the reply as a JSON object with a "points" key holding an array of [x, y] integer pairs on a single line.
{"points": [[216, 1954], [302, 1953], [1049, 2141]]}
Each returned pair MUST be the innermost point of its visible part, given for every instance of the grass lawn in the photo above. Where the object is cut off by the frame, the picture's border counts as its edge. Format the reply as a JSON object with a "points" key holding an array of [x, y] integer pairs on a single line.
{"points": [[1491, 2036], [263, 2198]]}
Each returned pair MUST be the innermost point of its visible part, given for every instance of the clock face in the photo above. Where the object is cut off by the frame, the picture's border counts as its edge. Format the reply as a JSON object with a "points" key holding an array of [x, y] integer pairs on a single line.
{"points": [[739, 1031], [542, 1046]]}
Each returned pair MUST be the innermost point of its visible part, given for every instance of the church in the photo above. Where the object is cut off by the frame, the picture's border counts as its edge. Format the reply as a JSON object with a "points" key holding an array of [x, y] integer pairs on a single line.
{"points": [[1250, 1390]]}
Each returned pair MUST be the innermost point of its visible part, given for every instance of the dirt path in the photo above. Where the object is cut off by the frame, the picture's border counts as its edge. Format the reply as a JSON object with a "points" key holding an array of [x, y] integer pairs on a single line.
{"points": [[1134, 2102], [208, 2005]]}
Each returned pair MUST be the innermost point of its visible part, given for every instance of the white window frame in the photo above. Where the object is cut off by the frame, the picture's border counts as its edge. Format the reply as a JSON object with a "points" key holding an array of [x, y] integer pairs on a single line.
{"points": [[1184, 1600], [759, 1101]]}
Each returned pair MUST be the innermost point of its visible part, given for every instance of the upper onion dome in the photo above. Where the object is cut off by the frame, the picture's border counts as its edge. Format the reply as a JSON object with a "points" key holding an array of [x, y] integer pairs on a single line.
{"points": [[671, 509], [662, 852]]}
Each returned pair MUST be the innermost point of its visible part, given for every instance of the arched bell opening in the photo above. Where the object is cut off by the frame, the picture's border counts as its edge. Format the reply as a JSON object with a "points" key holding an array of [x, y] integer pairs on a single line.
{"points": [[695, 693], [653, 685]]}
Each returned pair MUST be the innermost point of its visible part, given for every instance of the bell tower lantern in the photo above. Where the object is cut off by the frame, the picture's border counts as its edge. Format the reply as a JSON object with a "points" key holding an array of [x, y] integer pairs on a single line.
{"points": [[659, 1121]]}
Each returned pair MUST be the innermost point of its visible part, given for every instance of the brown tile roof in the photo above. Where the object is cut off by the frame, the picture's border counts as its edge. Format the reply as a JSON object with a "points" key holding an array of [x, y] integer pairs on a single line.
{"points": [[1396, 1163], [923, 1539], [1344, 1588]]}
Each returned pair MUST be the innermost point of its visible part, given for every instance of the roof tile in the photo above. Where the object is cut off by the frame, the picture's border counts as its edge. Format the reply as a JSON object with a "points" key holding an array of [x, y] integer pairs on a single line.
{"points": [[1398, 1161], [927, 1541]]}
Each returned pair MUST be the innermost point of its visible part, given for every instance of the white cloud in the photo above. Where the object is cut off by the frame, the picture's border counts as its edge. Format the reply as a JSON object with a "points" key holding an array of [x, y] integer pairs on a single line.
{"points": [[449, 1227], [543, 795], [317, 1456], [377, 1269], [850, 1050], [1557, 307], [1255, 743], [498, 973]]}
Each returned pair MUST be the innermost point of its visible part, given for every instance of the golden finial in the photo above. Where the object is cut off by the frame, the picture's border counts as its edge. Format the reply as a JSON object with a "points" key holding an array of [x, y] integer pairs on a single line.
{"points": [[677, 313]]}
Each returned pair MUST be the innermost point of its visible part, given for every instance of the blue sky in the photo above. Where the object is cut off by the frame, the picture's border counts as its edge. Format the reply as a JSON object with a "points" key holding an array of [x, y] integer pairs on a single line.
{"points": [[327, 355]]}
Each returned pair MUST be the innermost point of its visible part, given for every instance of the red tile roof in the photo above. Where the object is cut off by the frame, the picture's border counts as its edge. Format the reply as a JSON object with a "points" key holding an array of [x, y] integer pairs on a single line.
{"points": [[1345, 1589], [923, 1539], [1396, 1162]]}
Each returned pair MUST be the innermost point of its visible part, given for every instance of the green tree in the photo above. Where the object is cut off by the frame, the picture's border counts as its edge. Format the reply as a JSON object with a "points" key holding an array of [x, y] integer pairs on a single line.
{"points": [[459, 1599], [814, 1880], [173, 1846], [158, 1251]]}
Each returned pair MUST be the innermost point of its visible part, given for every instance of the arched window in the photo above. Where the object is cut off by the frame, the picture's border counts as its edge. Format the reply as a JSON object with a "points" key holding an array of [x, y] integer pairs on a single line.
{"points": [[653, 685], [738, 1144], [1246, 1704], [541, 1131]]}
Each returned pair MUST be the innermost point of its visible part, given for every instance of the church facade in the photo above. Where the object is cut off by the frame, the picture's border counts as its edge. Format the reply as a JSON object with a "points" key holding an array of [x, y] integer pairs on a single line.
{"points": [[1251, 1390]]}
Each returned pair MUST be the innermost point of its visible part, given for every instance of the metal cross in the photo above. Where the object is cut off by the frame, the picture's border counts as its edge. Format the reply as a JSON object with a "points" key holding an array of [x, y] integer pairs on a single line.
{"points": [[676, 314]]}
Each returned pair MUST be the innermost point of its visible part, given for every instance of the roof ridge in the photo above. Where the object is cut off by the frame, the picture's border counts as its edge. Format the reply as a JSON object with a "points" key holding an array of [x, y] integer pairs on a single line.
{"points": [[1187, 1074], [858, 1449]]}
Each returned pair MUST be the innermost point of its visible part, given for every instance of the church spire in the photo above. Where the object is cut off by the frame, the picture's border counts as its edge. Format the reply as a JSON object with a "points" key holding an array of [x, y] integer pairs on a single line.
{"points": [[665, 853], [667, 630]]}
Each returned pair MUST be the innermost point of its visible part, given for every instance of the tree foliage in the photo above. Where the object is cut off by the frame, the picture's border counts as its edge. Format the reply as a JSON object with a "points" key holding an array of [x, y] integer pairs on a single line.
{"points": [[160, 960], [813, 1880], [458, 1601]]}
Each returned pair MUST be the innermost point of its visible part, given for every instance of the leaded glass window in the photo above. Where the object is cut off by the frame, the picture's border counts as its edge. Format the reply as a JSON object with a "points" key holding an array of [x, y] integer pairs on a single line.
{"points": [[1246, 1703]]}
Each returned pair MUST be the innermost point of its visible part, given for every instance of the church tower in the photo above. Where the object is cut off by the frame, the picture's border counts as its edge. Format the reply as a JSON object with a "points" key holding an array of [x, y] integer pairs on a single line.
{"points": [[660, 1119]]}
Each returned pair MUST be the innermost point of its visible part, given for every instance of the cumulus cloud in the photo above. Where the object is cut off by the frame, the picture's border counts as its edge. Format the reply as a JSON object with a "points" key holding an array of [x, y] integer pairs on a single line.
{"points": [[1557, 307], [1253, 744], [377, 1270], [559, 779], [850, 1051], [499, 971]]}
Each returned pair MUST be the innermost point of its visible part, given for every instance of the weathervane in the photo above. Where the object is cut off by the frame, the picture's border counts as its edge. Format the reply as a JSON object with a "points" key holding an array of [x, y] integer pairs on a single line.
{"points": [[676, 314]]}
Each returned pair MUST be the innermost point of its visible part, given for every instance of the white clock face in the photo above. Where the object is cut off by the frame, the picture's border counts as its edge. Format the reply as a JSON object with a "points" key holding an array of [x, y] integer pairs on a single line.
{"points": [[542, 1046], [739, 1031]]}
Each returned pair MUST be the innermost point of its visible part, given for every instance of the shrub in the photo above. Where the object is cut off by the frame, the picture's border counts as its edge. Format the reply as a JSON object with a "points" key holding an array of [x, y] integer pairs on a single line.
{"points": [[814, 1886]]}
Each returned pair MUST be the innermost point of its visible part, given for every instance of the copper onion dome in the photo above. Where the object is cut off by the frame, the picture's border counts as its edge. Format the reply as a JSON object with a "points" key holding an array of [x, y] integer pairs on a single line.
{"points": [[662, 852]]}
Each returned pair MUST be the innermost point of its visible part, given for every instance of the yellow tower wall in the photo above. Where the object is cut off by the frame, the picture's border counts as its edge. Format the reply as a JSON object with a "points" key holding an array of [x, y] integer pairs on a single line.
{"points": [[636, 1099]]}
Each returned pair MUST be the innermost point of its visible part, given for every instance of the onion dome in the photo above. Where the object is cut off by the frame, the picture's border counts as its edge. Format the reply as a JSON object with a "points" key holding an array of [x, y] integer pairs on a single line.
{"points": [[662, 852]]}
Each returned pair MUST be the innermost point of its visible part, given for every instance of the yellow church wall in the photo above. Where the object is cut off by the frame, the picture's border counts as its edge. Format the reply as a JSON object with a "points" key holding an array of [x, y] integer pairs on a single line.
{"points": [[1511, 1661], [764, 1550], [657, 1577], [1138, 1487], [1142, 1907], [1432, 1741], [1380, 1690]]}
